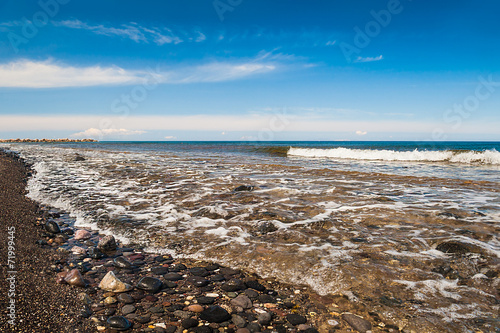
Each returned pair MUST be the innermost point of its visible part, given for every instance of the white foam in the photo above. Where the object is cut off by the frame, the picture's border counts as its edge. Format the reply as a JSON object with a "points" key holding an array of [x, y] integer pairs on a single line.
{"points": [[470, 157]]}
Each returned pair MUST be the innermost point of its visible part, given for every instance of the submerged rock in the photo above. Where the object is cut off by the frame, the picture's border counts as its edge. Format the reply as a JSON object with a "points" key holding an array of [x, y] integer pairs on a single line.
{"points": [[119, 323], [356, 322], [111, 283], [244, 188], [82, 234], [215, 314], [233, 285], [52, 227], [242, 301], [150, 284], [75, 278], [296, 319], [107, 243], [122, 262]]}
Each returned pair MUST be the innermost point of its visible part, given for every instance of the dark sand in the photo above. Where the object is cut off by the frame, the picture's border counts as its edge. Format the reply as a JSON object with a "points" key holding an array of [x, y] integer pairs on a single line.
{"points": [[41, 305]]}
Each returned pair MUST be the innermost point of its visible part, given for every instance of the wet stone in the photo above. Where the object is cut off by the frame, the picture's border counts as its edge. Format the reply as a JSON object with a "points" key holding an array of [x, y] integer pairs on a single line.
{"points": [[119, 323], [239, 321], [169, 284], [243, 188], [159, 270], [251, 293], [107, 243], [149, 284], [215, 314], [122, 262], [125, 298], [357, 322], [126, 309], [212, 267], [75, 278], [217, 278], [205, 300], [296, 319], [198, 281], [228, 271], [264, 318], [199, 271], [52, 227], [233, 285], [189, 322], [143, 319], [454, 247], [182, 314], [254, 327], [254, 284], [266, 298], [156, 309], [177, 268], [95, 253], [172, 277], [242, 301]]}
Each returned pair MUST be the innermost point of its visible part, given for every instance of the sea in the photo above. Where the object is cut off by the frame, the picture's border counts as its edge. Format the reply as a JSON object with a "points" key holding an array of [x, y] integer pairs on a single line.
{"points": [[410, 229]]}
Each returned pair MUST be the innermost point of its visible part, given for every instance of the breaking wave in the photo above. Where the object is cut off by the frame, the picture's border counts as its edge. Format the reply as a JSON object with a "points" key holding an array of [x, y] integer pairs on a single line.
{"points": [[451, 156]]}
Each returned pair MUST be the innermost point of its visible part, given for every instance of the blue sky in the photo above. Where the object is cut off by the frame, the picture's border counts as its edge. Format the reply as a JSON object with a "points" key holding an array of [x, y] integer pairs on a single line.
{"points": [[250, 70]]}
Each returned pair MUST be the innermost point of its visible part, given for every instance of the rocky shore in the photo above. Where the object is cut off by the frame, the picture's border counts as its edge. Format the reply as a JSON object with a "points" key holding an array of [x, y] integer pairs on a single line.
{"points": [[75, 280]]}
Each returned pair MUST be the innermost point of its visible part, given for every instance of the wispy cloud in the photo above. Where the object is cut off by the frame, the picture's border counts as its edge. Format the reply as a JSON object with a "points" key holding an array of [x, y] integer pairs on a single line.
{"points": [[94, 133], [369, 59], [137, 32], [50, 74], [361, 132]]}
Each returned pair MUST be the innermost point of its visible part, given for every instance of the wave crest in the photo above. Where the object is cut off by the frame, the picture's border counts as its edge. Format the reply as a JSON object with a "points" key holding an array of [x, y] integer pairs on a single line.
{"points": [[462, 157]]}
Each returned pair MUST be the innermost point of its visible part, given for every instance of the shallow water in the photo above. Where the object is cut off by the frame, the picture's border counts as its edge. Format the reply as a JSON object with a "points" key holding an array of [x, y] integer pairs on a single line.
{"points": [[376, 231]]}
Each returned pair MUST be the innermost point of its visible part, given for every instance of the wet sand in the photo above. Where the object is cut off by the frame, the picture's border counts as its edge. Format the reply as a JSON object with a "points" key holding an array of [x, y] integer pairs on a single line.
{"points": [[40, 304]]}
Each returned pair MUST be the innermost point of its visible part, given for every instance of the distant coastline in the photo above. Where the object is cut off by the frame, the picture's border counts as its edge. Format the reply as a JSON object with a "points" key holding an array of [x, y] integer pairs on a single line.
{"points": [[46, 140]]}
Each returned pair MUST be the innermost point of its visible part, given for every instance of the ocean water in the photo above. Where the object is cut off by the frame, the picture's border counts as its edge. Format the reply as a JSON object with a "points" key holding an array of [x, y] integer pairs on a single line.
{"points": [[407, 228]]}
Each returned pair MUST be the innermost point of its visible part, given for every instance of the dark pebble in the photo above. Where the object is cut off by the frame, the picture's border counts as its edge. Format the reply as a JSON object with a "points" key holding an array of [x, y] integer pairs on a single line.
{"points": [[251, 293], [198, 281], [202, 329], [266, 299], [107, 243], [177, 267], [189, 322], [156, 309], [233, 285], [159, 270], [212, 267], [254, 284], [169, 284], [228, 271], [52, 227], [95, 253], [215, 314], [296, 319], [149, 284], [217, 278], [172, 277], [205, 300], [254, 327], [199, 271], [243, 188], [125, 298], [143, 319], [122, 262], [357, 322], [453, 247], [119, 323], [128, 309]]}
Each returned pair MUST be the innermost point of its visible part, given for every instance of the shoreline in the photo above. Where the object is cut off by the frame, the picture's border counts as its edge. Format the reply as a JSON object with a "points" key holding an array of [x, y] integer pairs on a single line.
{"points": [[245, 302]]}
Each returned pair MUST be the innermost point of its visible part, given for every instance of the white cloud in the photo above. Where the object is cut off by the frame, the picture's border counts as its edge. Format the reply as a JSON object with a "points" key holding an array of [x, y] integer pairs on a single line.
{"points": [[170, 137], [94, 133], [49, 74], [137, 32], [361, 132], [369, 59]]}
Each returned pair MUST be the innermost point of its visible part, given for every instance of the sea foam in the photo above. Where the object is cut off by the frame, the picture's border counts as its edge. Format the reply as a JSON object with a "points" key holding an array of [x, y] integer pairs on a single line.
{"points": [[462, 157]]}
